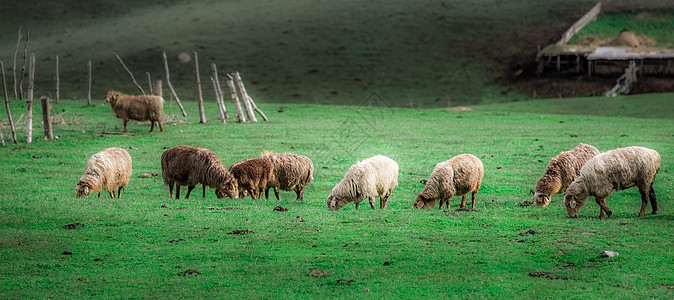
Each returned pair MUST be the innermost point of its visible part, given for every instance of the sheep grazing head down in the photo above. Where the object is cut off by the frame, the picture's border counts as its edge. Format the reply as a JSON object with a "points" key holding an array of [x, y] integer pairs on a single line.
{"points": [[423, 202], [82, 190], [540, 199], [575, 198], [335, 203], [229, 189]]}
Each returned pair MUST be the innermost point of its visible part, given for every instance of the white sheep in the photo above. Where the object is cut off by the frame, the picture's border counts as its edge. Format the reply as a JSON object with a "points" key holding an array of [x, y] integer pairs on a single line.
{"points": [[376, 176], [617, 169], [459, 175], [109, 169]]}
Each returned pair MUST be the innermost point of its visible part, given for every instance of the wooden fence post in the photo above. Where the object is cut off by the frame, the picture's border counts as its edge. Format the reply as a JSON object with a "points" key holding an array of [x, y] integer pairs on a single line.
{"points": [[244, 97], [221, 97], [46, 118], [237, 104], [29, 100], [16, 52], [149, 82], [158, 89], [9, 113], [130, 74], [258, 110], [89, 82], [58, 82], [200, 98], [25, 62], [168, 81], [218, 99]]}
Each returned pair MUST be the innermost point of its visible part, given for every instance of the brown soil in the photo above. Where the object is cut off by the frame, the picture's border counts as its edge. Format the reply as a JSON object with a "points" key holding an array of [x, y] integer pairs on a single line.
{"points": [[548, 275], [190, 272], [280, 208], [241, 231], [73, 225]]}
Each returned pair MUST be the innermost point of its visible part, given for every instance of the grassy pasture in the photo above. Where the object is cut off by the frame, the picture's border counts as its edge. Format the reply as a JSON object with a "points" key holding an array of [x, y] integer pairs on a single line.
{"points": [[143, 245]]}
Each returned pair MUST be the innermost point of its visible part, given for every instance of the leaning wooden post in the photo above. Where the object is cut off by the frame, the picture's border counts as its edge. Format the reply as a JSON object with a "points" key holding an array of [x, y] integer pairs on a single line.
{"points": [[58, 82], [259, 111], [9, 113], [168, 81], [89, 82], [200, 98], [218, 97], [244, 97], [46, 118], [29, 99], [237, 104], [222, 106], [16, 52], [149, 82], [130, 74]]}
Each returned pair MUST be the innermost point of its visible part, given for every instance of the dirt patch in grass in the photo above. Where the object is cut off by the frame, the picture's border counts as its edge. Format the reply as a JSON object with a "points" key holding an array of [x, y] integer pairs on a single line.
{"points": [[222, 208], [319, 273], [548, 275], [190, 272], [280, 208], [241, 231], [466, 209], [73, 225]]}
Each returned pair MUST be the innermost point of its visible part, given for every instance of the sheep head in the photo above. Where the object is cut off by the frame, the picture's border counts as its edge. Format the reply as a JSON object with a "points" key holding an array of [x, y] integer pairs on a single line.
{"points": [[336, 203], [228, 189], [540, 199], [112, 97], [82, 190], [575, 198], [423, 202]]}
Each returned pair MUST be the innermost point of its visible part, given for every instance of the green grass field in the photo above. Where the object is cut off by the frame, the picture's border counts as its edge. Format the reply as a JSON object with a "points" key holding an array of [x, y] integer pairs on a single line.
{"points": [[146, 245]]}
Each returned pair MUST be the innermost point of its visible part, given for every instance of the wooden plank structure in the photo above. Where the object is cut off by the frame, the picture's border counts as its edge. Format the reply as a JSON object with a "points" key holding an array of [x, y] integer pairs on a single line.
{"points": [[606, 60]]}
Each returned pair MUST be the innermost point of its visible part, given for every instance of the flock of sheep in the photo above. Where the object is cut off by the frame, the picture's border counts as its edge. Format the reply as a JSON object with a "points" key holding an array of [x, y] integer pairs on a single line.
{"points": [[578, 173]]}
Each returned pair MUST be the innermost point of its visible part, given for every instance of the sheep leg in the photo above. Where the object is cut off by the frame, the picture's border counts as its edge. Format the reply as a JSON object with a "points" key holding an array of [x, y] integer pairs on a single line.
{"points": [[383, 202], [253, 193], [357, 203], [463, 200], [161, 127], [654, 201], [177, 191], [472, 203], [371, 200], [276, 193], [644, 203], [112, 193], [203, 191], [266, 193], [124, 122], [119, 192], [189, 190], [99, 194], [603, 207], [151, 125]]}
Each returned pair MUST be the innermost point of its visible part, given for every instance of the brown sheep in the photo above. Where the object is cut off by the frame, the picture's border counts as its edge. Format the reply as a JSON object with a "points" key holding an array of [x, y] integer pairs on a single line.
{"points": [[561, 171], [109, 169], [140, 108], [184, 165], [617, 169], [459, 175], [253, 174], [292, 172]]}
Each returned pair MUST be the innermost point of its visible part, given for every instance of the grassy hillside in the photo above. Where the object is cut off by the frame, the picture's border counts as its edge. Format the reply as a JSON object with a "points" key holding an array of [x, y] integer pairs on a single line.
{"points": [[430, 53], [147, 245]]}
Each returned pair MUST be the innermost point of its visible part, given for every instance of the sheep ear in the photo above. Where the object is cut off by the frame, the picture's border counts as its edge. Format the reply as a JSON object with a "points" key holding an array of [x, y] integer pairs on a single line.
{"points": [[572, 201]]}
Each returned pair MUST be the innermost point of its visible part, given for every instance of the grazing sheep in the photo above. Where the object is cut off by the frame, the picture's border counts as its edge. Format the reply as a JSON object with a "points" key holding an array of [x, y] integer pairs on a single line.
{"points": [[617, 169], [109, 169], [141, 108], [459, 175], [376, 176], [561, 170], [292, 172], [253, 174], [184, 165]]}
